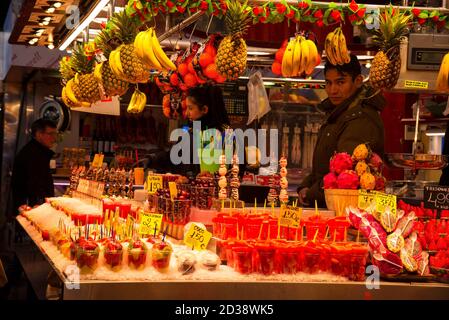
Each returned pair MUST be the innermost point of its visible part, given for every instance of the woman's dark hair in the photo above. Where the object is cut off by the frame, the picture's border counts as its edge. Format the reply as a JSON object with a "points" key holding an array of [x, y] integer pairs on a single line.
{"points": [[210, 96], [352, 68], [40, 125]]}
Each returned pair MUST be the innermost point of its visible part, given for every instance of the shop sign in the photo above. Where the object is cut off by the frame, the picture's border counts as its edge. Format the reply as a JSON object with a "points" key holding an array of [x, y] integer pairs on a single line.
{"points": [[436, 197], [197, 237], [150, 223], [290, 216], [98, 161], [153, 184]]}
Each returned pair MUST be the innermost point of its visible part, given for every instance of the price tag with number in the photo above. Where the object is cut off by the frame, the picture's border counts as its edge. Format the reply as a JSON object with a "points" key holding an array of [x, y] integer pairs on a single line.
{"points": [[290, 217], [98, 160], [436, 197], [197, 237], [384, 200], [173, 189], [150, 222], [154, 183], [365, 199]]}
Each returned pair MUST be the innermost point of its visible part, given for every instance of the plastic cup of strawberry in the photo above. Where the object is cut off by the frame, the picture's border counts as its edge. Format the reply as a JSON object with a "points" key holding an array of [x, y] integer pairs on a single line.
{"points": [[87, 255], [113, 254], [161, 255], [137, 254]]}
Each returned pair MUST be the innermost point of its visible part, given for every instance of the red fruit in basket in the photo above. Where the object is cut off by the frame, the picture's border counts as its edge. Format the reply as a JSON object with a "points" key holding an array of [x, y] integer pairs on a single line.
{"points": [[182, 69], [380, 182], [340, 162], [330, 181], [375, 162], [276, 68], [348, 180], [279, 55], [190, 80], [206, 59], [211, 71]]}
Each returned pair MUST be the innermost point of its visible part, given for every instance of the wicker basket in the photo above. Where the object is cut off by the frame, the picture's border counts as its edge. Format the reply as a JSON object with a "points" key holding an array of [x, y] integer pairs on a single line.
{"points": [[339, 199]]}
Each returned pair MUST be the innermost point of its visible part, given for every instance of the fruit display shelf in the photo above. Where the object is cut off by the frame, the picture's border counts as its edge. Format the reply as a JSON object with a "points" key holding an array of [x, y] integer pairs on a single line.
{"points": [[223, 284]]}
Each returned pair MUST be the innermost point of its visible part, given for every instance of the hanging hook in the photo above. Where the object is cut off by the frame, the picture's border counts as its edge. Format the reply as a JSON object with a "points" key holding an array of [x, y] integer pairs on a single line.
{"points": [[208, 25], [193, 30]]}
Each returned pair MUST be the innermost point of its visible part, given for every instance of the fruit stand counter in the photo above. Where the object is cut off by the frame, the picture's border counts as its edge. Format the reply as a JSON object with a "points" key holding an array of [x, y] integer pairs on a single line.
{"points": [[37, 263]]}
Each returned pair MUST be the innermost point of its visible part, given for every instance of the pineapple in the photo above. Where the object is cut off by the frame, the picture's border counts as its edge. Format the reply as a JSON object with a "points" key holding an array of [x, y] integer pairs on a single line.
{"points": [[386, 65], [65, 69], [134, 70], [231, 55], [86, 85], [112, 85]]}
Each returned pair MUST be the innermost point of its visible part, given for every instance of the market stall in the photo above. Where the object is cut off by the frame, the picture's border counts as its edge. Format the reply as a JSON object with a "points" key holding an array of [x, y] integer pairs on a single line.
{"points": [[122, 233]]}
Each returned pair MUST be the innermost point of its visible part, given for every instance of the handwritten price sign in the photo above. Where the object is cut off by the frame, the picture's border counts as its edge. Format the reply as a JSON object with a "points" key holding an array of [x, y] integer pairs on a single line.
{"points": [[384, 200], [436, 197], [197, 237], [173, 189], [290, 217], [365, 199], [154, 183], [150, 222]]}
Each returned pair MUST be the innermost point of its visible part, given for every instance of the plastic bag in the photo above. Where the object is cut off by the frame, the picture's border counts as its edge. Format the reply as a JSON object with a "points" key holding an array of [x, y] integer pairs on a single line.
{"points": [[258, 103]]}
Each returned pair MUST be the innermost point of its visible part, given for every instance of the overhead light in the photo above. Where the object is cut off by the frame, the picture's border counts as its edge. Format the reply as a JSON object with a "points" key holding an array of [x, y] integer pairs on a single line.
{"points": [[118, 9], [268, 83], [51, 46], [57, 4], [81, 26], [45, 23], [47, 19], [50, 10], [39, 32], [100, 20], [33, 41], [368, 65]]}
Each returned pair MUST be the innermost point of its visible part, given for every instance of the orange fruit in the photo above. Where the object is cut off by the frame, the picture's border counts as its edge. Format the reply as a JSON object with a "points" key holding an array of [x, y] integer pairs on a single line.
{"points": [[182, 69], [205, 59], [276, 68], [190, 67], [279, 55], [190, 80], [210, 50], [174, 80], [211, 71], [220, 79]]}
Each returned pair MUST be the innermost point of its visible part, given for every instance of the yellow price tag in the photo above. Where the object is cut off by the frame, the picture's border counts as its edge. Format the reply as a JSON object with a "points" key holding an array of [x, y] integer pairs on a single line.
{"points": [[149, 222], [290, 217], [173, 189], [384, 200], [98, 160], [154, 183], [197, 237], [413, 84], [365, 199]]}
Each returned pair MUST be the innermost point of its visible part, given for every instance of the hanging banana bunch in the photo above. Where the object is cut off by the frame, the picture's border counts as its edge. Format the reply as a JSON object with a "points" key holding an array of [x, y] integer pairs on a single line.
{"points": [[137, 102], [336, 49], [443, 75], [301, 57]]}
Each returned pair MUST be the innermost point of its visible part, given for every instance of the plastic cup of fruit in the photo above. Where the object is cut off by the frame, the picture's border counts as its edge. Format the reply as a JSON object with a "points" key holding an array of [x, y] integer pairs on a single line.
{"points": [[337, 228], [137, 255], [87, 257], [265, 253], [314, 224], [109, 205], [217, 224], [338, 258], [229, 228], [312, 257], [125, 209], [160, 256], [229, 246], [252, 228], [113, 255], [287, 256], [242, 256], [358, 257]]}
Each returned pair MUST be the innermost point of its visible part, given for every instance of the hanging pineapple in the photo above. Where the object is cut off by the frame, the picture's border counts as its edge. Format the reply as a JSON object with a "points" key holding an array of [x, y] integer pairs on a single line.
{"points": [[65, 69], [85, 86], [123, 60], [231, 55], [386, 65], [112, 85]]}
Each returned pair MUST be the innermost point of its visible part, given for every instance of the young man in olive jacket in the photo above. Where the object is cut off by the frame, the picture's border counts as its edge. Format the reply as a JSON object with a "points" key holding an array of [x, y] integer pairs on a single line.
{"points": [[353, 117], [31, 179]]}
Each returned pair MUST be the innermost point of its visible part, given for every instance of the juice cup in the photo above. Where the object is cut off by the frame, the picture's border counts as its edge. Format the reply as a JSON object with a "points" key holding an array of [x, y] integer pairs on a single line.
{"points": [[242, 257], [337, 228], [358, 257], [139, 176], [311, 254], [229, 228], [125, 209], [252, 228], [265, 253], [315, 226]]}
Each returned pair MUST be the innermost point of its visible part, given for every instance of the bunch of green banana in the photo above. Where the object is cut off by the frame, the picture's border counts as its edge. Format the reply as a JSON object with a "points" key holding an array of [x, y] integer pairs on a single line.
{"points": [[149, 50], [138, 102], [443, 75], [336, 49], [300, 57], [69, 98]]}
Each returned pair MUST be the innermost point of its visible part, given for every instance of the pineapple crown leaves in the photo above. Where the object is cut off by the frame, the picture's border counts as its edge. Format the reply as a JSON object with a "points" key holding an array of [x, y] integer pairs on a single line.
{"points": [[237, 18], [124, 27], [392, 28], [79, 61]]}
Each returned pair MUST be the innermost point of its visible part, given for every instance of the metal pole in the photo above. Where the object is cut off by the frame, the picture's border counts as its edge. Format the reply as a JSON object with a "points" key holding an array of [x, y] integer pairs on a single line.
{"points": [[180, 26]]}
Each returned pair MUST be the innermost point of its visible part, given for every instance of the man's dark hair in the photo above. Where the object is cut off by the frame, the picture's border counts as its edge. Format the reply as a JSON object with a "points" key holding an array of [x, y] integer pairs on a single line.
{"points": [[40, 125], [352, 68], [211, 96]]}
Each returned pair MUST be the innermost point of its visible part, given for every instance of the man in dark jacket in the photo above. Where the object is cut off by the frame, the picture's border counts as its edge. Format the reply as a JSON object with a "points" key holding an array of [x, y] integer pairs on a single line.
{"points": [[32, 181], [353, 118]]}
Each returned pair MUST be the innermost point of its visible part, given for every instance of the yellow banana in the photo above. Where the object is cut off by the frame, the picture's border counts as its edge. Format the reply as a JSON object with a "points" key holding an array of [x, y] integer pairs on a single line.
{"points": [[313, 54], [142, 102], [112, 63], [152, 61], [97, 71], [118, 62], [132, 102], [344, 53], [443, 75], [66, 100], [297, 54], [287, 60], [328, 48], [69, 92], [305, 55], [76, 78], [138, 46], [335, 50], [160, 54]]}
